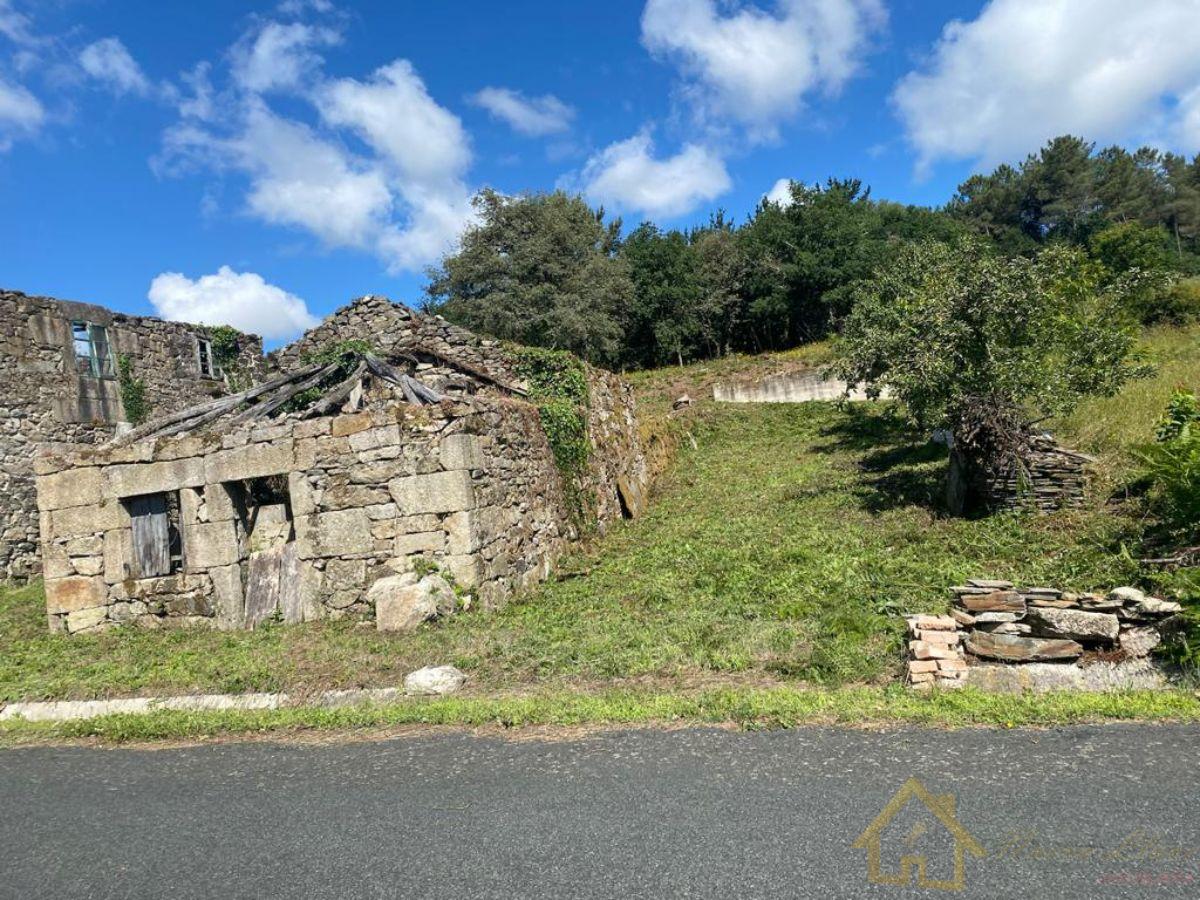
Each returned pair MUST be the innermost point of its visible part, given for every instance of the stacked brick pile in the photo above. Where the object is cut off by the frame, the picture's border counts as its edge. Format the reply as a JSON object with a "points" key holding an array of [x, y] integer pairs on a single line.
{"points": [[935, 646], [994, 623]]}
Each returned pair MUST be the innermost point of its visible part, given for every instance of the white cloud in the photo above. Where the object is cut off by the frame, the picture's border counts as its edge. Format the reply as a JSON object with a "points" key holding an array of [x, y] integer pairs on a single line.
{"points": [[1187, 130], [781, 193], [200, 104], [1024, 71], [16, 26], [422, 147], [299, 7], [241, 299], [406, 201], [534, 116], [296, 177], [279, 57], [393, 112], [627, 175], [749, 65], [436, 220], [21, 113], [109, 62]]}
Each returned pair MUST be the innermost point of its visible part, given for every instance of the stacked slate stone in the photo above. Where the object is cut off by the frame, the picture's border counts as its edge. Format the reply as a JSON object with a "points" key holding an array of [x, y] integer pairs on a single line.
{"points": [[1048, 477], [996, 622]]}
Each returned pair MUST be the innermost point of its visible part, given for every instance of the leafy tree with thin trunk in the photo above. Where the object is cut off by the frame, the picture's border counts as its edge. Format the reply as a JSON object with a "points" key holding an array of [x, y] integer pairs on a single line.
{"points": [[983, 345]]}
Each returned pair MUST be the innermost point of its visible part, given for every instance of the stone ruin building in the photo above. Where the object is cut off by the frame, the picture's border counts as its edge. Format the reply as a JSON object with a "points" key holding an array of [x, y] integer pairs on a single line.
{"points": [[381, 447], [60, 366]]}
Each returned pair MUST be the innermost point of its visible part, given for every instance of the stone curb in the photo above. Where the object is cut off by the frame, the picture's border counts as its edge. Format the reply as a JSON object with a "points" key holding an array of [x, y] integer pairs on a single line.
{"points": [[68, 710]]}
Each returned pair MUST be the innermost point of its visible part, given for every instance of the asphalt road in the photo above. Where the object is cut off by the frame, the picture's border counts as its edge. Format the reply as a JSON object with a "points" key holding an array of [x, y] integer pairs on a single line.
{"points": [[1079, 812]]}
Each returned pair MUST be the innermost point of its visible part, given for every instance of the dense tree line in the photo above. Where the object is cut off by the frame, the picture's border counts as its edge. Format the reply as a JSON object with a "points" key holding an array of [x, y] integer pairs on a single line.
{"points": [[547, 270]]}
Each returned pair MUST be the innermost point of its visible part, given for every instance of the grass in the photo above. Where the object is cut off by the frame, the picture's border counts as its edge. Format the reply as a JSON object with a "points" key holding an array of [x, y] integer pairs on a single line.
{"points": [[1112, 427], [777, 555], [783, 547], [746, 708]]}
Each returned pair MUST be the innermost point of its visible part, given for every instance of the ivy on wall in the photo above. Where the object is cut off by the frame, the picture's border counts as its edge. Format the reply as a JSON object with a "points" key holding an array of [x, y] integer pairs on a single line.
{"points": [[558, 385], [226, 350], [133, 391]]}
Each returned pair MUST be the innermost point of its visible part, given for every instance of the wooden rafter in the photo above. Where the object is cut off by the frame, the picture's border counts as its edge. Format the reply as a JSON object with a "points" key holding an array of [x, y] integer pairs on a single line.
{"points": [[266, 399]]}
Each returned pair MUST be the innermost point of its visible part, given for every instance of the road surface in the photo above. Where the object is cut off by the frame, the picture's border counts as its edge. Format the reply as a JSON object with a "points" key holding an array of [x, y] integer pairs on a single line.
{"points": [[1076, 812]]}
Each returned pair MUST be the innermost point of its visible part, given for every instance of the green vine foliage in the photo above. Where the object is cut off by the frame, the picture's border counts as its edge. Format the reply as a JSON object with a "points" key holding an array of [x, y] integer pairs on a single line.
{"points": [[558, 384], [335, 352], [226, 349], [346, 353], [133, 391]]}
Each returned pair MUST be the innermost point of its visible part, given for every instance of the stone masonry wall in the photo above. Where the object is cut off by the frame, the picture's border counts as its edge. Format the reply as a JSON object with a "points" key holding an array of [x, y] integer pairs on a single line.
{"points": [[46, 398], [999, 637], [470, 488], [618, 474], [385, 326], [1045, 478]]}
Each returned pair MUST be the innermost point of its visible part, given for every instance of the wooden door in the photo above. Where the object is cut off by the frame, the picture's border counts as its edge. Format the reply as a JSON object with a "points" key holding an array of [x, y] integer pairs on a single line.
{"points": [[151, 536]]}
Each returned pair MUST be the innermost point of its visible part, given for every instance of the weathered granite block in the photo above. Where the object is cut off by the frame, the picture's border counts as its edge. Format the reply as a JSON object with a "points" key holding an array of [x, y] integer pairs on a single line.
{"points": [[148, 478], [65, 595], [209, 545], [251, 461], [78, 520], [74, 487], [439, 492], [338, 533], [461, 451]]}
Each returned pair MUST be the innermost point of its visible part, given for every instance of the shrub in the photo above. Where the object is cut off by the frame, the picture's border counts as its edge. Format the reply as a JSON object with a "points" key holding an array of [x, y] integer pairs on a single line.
{"points": [[1173, 464], [1174, 468], [1130, 245], [1175, 303], [1182, 412]]}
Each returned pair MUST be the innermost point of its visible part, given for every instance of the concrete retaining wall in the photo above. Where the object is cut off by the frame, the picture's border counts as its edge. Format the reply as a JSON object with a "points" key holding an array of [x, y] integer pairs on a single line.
{"points": [[796, 387]]}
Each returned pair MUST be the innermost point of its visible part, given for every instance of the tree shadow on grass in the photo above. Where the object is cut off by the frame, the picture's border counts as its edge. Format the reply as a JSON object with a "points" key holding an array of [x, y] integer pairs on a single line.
{"points": [[900, 467]]}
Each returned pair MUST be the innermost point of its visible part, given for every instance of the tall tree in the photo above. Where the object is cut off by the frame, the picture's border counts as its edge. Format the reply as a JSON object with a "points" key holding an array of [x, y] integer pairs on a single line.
{"points": [[722, 272], [540, 269], [660, 322]]}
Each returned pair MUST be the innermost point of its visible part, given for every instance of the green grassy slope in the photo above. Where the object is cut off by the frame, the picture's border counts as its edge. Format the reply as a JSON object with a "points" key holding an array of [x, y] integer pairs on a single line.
{"points": [[781, 547]]}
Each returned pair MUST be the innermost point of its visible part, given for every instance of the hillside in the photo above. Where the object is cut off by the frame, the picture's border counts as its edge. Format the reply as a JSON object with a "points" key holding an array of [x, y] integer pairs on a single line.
{"points": [[780, 546]]}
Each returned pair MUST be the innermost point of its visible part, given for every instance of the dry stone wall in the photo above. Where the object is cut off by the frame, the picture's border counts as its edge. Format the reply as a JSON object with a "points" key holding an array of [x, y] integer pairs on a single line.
{"points": [[47, 398], [1046, 477], [618, 475], [468, 489], [387, 326], [1000, 637]]}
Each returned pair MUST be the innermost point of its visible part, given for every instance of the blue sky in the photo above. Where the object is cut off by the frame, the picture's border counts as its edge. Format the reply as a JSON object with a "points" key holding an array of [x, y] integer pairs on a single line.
{"points": [[263, 164]]}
